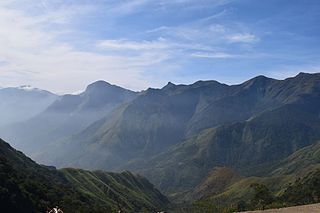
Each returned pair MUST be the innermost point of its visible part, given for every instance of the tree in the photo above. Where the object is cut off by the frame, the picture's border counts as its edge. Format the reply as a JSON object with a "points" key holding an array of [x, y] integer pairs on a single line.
{"points": [[262, 196]]}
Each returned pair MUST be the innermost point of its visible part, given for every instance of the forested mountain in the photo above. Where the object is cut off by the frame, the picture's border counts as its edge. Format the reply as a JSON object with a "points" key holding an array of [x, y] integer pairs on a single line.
{"points": [[289, 182], [29, 187]]}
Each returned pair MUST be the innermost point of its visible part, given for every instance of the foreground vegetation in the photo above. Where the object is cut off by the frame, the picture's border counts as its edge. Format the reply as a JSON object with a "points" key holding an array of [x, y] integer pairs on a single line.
{"points": [[28, 187], [302, 191]]}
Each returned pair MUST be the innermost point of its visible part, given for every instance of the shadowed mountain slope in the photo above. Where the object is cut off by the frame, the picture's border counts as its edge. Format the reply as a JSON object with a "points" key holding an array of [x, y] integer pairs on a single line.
{"points": [[159, 119], [29, 187], [268, 138]]}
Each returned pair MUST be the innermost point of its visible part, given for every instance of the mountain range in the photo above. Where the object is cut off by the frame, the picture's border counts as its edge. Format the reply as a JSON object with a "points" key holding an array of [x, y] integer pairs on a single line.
{"points": [[205, 140], [65, 116]]}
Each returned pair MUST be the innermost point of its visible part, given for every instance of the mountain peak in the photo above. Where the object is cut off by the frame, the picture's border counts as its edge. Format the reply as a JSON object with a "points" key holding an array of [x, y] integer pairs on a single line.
{"points": [[306, 75], [258, 81], [206, 83], [303, 76], [303, 73], [260, 78], [103, 87], [169, 85], [28, 88], [98, 84]]}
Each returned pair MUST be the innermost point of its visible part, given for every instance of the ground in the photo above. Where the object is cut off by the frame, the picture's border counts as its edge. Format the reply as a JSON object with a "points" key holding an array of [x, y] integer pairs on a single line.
{"points": [[313, 208]]}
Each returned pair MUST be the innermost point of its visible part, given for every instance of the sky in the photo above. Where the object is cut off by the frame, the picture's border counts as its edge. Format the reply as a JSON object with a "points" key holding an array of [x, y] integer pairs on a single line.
{"points": [[64, 45]]}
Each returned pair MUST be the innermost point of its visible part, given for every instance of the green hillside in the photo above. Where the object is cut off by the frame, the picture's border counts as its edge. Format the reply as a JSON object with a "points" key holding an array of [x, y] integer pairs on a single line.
{"points": [[28, 187], [262, 193], [122, 190], [293, 181]]}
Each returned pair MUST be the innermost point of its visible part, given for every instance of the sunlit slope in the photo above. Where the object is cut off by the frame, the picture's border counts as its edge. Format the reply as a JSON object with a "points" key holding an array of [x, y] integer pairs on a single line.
{"points": [[29, 187]]}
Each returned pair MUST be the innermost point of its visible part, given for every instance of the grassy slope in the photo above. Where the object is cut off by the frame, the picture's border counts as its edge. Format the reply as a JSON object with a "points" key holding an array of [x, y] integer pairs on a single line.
{"points": [[296, 179], [126, 190], [26, 186]]}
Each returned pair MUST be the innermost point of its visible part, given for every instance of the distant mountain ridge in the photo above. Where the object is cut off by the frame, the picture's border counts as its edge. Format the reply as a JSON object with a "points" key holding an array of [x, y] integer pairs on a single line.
{"points": [[171, 134], [160, 118], [67, 115], [21, 103]]}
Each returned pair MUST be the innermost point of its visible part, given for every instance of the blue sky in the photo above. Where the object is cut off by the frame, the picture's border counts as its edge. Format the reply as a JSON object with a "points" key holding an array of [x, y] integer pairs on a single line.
{"points": [[63, 45]]}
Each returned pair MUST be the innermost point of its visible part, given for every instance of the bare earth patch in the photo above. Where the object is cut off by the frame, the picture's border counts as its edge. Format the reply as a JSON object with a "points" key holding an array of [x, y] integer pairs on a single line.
{"points": [[313, 208]]}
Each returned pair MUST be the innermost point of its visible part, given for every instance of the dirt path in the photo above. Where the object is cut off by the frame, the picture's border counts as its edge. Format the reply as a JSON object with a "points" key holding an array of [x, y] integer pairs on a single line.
{"points": [[313, 208]]}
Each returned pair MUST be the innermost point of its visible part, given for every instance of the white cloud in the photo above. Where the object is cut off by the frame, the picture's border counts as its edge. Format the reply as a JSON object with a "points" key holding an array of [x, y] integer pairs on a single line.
{"points": [[121, 8], [242, 37], [207, 31], [159, 45], [30, 53], [217, 28], [133, 45], [214, 55]]}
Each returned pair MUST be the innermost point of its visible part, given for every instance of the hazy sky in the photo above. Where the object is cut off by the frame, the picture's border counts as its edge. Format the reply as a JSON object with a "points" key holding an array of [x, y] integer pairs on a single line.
{"points": [[63, 45]]}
